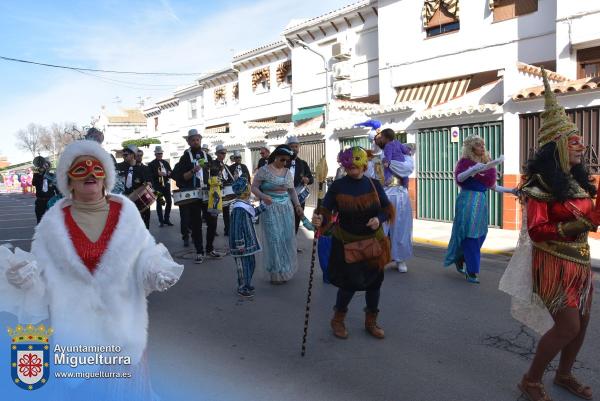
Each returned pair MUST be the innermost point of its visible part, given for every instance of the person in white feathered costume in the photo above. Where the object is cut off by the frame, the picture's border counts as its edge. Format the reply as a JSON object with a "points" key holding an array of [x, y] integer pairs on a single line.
{"points": [[91, 266]]}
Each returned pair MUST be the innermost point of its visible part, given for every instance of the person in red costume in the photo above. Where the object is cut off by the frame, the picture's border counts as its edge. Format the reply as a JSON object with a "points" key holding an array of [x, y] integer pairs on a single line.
{"points": [[558, 194]]}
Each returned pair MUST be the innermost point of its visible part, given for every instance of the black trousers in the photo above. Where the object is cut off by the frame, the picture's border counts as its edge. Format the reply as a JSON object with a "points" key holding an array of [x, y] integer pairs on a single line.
{"points": [[166, 191], [345, 296], [146, 217], [41, 205], [226, 219], [297, 222], [191, 220]]}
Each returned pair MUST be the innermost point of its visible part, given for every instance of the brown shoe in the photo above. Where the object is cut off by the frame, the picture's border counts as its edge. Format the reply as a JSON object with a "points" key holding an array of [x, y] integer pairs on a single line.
{"points": [[371, 325], [338, 326], [534, 391], [571, 383]]}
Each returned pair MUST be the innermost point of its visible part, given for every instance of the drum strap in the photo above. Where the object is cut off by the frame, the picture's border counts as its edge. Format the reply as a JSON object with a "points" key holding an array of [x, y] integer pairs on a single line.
{"points": [[200, 174]]}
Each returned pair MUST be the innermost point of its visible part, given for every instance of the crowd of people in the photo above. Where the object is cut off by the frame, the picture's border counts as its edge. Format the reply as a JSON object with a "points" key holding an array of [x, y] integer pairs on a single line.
{"points": [[79, 245]]}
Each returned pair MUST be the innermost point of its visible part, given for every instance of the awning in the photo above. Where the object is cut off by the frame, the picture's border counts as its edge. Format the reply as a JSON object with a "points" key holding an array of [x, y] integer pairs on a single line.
{"points": [[434, 92], [308, 112], [217, 129]]}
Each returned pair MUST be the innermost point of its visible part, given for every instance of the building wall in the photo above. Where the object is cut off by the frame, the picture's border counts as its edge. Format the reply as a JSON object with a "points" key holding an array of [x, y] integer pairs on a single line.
{"points": [[309, 71], [407, 56], [258, 104], [576, 28]]}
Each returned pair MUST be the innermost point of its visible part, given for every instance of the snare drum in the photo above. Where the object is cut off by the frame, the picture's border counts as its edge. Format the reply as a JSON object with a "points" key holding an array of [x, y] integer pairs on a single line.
{"points": [[185, 196], [228, 195], [143, 197]]}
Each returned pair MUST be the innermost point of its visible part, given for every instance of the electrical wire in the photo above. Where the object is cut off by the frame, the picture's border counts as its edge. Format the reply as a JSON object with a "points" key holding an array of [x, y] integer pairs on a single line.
{"points": [[100, 70], [129, 84]]}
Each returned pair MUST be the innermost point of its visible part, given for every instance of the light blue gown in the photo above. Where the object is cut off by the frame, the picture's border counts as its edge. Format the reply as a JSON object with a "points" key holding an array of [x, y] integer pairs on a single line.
{"points": [[276, 227]]}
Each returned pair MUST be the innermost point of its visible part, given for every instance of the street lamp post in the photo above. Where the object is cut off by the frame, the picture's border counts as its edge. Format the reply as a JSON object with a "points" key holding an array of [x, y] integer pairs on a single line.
{"points": [[305, 46]]}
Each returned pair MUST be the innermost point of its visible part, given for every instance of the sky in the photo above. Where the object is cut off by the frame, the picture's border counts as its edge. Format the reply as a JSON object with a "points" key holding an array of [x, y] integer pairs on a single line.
{"points": [[179, 36]]}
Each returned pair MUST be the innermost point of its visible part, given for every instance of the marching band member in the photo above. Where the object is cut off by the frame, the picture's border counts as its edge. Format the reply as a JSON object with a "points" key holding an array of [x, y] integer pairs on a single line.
{"points": [[44, 189], [87, 274], [300, 171], [238, 168], [192, 172], [264, 152], [226, 175], [134, 176], [161, 171]]}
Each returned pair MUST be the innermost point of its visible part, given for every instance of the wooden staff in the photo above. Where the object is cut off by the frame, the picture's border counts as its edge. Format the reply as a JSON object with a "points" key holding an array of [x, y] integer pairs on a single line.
{"points": [[321, 172]]}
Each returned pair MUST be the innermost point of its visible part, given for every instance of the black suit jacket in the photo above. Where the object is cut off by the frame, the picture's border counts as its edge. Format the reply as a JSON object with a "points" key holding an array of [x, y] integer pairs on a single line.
{"points": [[141, 175], [245, 173], [185, 164], [301, 170], [153, 166]]}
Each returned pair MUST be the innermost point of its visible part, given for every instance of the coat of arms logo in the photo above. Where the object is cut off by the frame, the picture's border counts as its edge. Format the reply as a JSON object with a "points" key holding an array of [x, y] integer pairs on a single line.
{"points": [[30, 355]]}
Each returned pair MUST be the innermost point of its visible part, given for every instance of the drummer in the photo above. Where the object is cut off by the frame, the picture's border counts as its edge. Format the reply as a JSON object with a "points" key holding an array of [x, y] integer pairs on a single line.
{"points": [[227, 177], [192, 172], [134, 176], [238, 168]]}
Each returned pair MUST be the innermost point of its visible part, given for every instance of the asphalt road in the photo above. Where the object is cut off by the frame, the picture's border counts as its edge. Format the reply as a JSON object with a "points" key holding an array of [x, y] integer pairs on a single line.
{"points": [[446, 340]]}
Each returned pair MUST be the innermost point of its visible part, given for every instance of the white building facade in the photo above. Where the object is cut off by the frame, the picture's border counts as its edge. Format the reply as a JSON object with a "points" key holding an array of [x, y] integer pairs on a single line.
{"points": [[433, 70]]}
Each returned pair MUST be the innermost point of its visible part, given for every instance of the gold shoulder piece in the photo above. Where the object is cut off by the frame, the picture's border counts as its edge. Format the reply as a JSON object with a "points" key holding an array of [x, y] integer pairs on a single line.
{"points": [[536, 188]]}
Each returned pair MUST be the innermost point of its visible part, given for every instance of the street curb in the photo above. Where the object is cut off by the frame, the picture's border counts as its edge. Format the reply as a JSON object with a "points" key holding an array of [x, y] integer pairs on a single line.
{"points": [[444, 244]]}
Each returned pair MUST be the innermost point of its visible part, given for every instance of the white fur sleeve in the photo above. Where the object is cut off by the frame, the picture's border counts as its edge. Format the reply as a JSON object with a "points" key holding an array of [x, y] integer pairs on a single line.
{"points": [[159, 270], [22, 288], [403, 169]]}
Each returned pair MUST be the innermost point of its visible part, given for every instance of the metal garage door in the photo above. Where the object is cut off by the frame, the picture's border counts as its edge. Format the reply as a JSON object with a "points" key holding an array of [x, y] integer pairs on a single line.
{"points": [[437, 157]]}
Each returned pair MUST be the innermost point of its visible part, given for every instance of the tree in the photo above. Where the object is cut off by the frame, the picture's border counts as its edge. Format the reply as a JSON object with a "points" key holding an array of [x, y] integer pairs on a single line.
{"points": [[57, 137], [29, 138]]}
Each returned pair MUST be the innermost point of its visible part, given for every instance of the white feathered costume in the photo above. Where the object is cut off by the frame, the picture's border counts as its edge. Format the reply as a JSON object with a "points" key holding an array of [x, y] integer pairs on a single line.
{"points": [[107, 307]]}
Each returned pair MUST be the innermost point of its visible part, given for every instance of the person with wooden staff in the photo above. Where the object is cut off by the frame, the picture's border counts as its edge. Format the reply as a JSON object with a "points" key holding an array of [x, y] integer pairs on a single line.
{"points": [[360, 249]]}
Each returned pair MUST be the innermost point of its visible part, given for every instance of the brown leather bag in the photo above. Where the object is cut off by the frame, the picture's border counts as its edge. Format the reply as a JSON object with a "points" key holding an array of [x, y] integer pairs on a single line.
{"points": [[362, 250], [365, 249]]}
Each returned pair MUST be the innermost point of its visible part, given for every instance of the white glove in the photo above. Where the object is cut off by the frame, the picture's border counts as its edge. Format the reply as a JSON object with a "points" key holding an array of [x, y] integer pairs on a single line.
{"points": [[161, 281], [21, 274], [471, 171], [501, 189]]}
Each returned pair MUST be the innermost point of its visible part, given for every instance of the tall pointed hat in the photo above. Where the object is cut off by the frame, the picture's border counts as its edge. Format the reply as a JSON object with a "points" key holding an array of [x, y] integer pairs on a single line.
{"points": [[556, 126]]}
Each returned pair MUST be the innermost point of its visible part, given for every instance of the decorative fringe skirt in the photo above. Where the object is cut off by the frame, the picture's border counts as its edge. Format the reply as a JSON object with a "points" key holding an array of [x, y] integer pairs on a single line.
{"points": [[561, 283]]}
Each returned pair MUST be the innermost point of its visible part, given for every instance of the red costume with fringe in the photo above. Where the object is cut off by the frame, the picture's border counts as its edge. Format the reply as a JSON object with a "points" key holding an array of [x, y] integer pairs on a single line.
{"points": [[561, 268]]}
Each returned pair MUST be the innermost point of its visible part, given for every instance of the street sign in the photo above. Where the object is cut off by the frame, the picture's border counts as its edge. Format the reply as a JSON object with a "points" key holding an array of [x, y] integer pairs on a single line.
{"points": [[454, 134]]}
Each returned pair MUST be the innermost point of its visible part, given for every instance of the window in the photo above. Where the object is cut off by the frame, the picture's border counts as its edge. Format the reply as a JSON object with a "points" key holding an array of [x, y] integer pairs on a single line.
{"points": [[220, 96], [588, 62], [284, 73], [261, 80], [193, 109], [235, 91], [440, 16], [155, 123], [507, 9]]}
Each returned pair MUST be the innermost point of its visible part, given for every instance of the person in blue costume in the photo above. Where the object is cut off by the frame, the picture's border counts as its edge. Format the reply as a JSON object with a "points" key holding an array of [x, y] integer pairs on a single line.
{"points": [[243, 242], [273, 185], [474, 175], [362, 207]]}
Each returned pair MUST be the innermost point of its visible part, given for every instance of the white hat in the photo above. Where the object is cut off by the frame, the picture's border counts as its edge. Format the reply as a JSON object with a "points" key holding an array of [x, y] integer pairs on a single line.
{"points": [[220, 148], [191, 133], [292, 139], [158, 149], [236, 153], [83, 148]]}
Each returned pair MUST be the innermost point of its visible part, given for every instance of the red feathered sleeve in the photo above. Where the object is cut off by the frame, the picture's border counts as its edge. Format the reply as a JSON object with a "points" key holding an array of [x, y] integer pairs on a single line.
{"points": [[539, 226]]}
